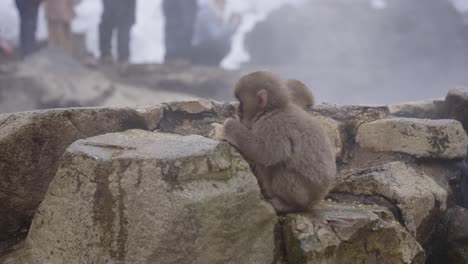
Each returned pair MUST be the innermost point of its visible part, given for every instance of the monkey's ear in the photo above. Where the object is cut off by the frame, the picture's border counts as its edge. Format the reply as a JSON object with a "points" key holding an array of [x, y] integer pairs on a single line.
{"points": [[262, 98]]}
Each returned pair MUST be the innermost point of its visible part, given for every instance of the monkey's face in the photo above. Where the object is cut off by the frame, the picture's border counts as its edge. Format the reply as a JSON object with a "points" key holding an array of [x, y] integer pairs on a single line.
{"points": [[247, 110]]}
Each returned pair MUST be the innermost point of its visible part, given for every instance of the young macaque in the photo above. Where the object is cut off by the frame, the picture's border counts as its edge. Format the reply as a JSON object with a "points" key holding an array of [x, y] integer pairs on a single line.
{"points": [[300, 93], [289, 152]]}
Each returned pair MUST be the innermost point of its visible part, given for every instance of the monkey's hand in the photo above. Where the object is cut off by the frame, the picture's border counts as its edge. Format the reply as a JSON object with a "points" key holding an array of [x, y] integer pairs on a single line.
{"points": [[231, 127]]}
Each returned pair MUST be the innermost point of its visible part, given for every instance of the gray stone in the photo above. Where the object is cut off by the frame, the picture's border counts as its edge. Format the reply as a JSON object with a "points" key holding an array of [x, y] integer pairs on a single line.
{"points": [[335, 132], [143, 197], [192, 107], [426, 109], [422, 138], [152, 115], [419, 199], [341, 233], [196, 117], [456, 105], [350, 117], [354, 115], [31, 144]]}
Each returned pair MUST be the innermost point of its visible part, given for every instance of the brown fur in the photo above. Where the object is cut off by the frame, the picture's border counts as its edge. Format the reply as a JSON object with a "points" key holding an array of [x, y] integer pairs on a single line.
{"points": [[291, 155], [300, 93]]}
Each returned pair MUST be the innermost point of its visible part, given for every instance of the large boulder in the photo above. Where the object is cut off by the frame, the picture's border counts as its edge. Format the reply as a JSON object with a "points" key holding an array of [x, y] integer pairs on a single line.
{"points": [[456, 105], [31, 144], [423, 138], [144, 197], [341, 233], [419, 200]]}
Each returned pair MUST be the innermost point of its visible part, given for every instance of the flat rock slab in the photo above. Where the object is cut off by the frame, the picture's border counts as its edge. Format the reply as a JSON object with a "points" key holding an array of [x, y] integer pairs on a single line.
{"points": [[420, 200], [344, 233], [423, 138], [144, 197]]}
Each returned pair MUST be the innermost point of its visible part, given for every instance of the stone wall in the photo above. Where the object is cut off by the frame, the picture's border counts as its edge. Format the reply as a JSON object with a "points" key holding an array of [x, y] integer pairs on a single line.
{"points": [[156, 185]]}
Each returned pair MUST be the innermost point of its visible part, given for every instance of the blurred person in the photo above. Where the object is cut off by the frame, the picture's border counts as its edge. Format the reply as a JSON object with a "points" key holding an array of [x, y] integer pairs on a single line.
{"points": [[178, 30], [213, 32], [118, 15], [28, 10], [6, 50], [59, 15]]}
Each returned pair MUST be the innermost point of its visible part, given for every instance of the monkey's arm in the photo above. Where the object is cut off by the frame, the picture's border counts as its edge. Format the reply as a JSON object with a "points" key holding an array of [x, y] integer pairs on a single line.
{"points": [[266, 150]]}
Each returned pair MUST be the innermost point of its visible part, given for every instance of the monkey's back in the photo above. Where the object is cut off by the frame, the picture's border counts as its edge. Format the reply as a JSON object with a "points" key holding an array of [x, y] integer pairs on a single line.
{"points": [[310, 154]]}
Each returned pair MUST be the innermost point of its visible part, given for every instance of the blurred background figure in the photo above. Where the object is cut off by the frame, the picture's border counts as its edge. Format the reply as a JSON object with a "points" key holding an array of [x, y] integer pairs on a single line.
{"points": [[118, 15], [213, 32], [59, 15], [178, 30], [28, 10], [6, 50]]}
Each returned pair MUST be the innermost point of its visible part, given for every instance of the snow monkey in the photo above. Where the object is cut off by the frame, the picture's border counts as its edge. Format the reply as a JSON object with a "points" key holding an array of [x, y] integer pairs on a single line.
{"points": [[300, 93], [287, 148]]}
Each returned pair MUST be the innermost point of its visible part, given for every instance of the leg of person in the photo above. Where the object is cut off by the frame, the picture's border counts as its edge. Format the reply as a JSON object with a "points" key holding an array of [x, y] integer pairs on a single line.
{"points": [[177, 38], [171, 16], [32, 15], [189, 13], [123, 41], [53, 34], [67, 37], [105, 29], [22, 38], [28, 14]]}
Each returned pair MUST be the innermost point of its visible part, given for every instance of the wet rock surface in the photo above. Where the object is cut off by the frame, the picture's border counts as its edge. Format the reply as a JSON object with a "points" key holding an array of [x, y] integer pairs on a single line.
{"points": [[419, 200], [341, 233], [31, 144], [111, 189], [143, 197]]}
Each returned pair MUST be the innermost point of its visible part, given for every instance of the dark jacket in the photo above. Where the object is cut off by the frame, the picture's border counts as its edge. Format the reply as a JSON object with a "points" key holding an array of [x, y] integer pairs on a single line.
{"points": [[122, 11], [27, 6]]}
